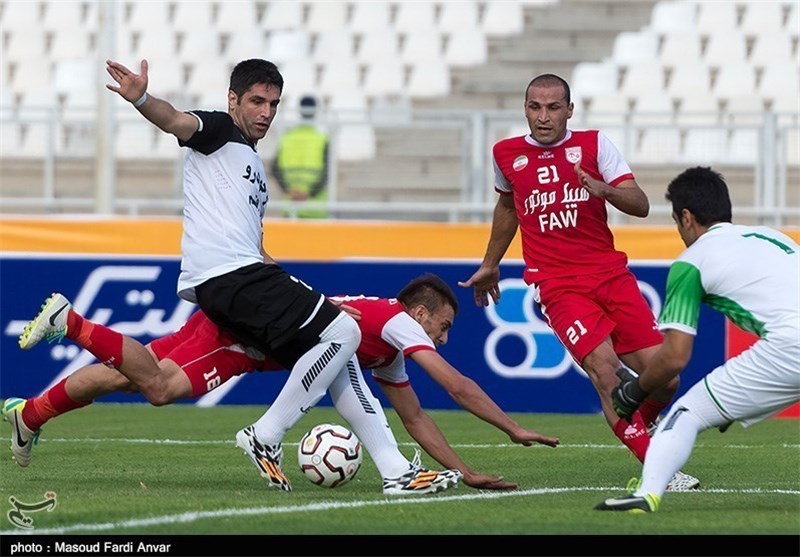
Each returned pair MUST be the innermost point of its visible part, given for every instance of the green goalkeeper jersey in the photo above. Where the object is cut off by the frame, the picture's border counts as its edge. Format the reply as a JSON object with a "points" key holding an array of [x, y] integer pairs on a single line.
{"points": [[749, 273]]}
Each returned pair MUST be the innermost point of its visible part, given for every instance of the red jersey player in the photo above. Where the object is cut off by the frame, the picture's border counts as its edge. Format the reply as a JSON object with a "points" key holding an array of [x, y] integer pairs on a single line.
{"points": [[554, 185], [200, 357]]}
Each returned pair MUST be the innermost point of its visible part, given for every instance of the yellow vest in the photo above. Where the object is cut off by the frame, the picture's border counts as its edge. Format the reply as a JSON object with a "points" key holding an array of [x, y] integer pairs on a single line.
{"points": [[301, 160]]}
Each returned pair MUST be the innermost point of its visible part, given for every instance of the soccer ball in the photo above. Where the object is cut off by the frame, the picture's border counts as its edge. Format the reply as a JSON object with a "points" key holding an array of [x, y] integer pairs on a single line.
{"points": [[329, 455]]}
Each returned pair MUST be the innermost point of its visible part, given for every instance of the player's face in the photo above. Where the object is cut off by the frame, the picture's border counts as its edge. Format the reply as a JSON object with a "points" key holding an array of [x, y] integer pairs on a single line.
{"points": [[547, 111], [437, 323], [254, 110], [684, 224]]}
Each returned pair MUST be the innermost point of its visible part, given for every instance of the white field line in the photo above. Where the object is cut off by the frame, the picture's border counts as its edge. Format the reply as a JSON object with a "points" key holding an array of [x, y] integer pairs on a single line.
{"points": [[232, 441], [189, 517]]}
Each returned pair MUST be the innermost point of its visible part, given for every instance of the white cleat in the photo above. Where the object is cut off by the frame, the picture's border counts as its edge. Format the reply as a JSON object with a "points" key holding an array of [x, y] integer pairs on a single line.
{"points": [[50, 324], [420, 481], [683, 482], [22, 438]]}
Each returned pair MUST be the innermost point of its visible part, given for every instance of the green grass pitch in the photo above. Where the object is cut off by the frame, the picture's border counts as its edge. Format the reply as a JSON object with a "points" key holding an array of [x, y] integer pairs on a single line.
{"points": [[136, 469]]}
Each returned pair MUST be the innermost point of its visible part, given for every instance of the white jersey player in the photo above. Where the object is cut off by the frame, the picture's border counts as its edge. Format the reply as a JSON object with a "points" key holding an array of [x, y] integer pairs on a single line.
{"points": [[752, 275]]}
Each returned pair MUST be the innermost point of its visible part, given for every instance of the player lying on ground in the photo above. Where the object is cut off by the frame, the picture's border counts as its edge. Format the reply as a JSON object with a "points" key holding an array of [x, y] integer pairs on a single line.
{"points": [[749, 273], [391, 329]]}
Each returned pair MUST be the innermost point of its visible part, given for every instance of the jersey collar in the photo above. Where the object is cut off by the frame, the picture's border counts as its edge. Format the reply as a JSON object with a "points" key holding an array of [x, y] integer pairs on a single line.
{"points": [[529, 138]]}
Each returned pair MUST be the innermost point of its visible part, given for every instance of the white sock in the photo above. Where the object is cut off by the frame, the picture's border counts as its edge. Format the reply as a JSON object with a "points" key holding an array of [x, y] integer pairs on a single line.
{"points": [[356, 404], [309, 379]]}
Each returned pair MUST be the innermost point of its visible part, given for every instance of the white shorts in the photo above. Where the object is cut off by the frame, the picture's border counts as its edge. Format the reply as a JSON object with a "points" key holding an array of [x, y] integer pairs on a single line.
{"points": [[756, 384]]}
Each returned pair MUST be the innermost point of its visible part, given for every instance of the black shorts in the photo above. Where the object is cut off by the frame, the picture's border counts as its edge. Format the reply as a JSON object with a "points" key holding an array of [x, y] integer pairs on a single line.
{"points": [[265, 307]]}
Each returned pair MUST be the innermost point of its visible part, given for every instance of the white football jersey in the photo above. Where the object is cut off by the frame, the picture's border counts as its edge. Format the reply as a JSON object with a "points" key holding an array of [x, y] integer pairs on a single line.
{"points": [[225, 195], [749, 273]]}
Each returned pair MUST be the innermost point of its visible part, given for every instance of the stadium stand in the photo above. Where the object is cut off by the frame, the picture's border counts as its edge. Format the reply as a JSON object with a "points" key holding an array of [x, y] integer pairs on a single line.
{"points": [[427, 86]]}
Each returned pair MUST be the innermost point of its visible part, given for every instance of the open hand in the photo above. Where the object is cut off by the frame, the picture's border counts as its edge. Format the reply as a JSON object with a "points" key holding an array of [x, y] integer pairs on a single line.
{"points": [[485, 280], [130, 86]]}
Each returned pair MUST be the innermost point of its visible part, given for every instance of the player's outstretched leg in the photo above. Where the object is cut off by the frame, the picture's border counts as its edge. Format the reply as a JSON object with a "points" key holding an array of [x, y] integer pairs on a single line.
{"points": [[22, 438], [419, 480], [50, 323]]}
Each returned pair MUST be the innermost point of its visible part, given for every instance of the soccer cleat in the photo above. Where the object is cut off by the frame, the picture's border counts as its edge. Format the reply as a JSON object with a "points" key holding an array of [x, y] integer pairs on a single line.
{"points": [[419, 480], [267, 458], [683, 482], [51, 323], [632, 504], [22, 438]]}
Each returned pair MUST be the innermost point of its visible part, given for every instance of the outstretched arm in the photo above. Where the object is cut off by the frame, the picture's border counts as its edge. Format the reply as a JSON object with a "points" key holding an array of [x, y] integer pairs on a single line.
{"points": [[425, 432], [133, 88], [504, 227], [471, 397]]}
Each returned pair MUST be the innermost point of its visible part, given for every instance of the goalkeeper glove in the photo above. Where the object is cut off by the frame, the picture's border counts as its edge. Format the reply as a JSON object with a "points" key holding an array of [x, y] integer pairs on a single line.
{"points": [[628, 396]]}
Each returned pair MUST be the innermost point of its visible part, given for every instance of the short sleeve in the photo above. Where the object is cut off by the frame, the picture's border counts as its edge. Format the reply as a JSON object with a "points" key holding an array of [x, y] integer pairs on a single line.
{"points": [[214, 131], [684, 295], [610, 163]]}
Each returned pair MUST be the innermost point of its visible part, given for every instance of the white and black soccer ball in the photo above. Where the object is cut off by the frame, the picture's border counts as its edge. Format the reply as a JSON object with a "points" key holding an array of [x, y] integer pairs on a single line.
{"points": [[329, 455]]}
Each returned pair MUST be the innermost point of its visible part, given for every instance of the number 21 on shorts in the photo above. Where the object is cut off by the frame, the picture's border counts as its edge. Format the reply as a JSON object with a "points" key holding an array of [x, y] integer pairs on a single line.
{"points": [[575, 332]]}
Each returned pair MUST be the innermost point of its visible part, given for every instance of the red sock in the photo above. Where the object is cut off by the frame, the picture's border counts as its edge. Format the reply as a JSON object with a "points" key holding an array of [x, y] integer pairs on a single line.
{"points": [[102, 342], [633, 435], [650, 410], [53, 402]]}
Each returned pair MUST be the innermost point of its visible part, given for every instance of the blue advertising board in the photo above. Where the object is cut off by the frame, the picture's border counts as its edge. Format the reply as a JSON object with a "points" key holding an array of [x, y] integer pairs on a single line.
{"points": [[507, 349]]}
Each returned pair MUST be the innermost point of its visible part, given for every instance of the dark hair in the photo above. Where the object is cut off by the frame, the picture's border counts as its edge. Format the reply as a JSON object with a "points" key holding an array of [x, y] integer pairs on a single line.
{"points": [[703, 192], [249, 72], [547, 80], [430, 291]]}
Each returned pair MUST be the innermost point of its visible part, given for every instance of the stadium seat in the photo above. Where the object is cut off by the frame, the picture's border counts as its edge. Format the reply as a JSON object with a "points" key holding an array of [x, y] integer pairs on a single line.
{"points": [[10, 139], [704, 145], [653, 109], [744, 109], [147, 16], [237, 18], [792, 24], [657, 146], [299, 77], [370, 16], [716, 17], [167, 76], [725, 47], [355, 142], [643, 78], [281, 15], [466, 47], [429, 79], [698, 109], [591, 79], [196, 48], [377, 46], [135, 140], [288, 46], [155, 44], [632, 47], [326, 16], [340, 74], [735, 79], [743, 147], [348, 107], [458, 16], [67, 16], [25, 45], [31, 75], [678, 47], [689, 79], [503, 18], [242, 46], [421, 46], [384, 78], [780, 80], [335, 44], [762, 18], [772, 48], [69, 43], [193, 15], [416, 17], [669, 16]]}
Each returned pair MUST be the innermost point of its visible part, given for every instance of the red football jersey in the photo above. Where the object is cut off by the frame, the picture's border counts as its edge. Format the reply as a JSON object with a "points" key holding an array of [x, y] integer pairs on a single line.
{"points": [[388, 336], [564, 230]]}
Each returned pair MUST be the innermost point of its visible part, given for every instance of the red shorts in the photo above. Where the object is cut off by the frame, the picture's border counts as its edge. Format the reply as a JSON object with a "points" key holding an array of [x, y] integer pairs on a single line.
{"points": [[207, 355], [583, 310]]}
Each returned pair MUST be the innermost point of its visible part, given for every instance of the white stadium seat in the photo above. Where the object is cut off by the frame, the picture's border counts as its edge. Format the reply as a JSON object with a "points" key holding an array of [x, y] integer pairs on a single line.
{"points": [[378, 45], [631, 47], [429, 78], [658, 146], [735, 79], [335, 44], [702, 146], [669, 16], [772, 48], [340, 74], [243, 46], [238, 18], [147, 16], [288, 46], [384, 78], [466, 47], [503, 18], [680, 46], [355, 142], [421, 46], [643, 77], [725, 47], [590, 79], [716, 17], [762, 18], [326, 16], [418, 16], [458, 16], [282, 15], [192, 15], [370, 16]]}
